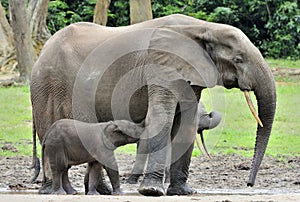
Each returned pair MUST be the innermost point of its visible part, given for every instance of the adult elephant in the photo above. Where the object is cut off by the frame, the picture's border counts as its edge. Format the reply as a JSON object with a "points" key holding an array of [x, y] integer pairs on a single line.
{"points": [[154, 70]]}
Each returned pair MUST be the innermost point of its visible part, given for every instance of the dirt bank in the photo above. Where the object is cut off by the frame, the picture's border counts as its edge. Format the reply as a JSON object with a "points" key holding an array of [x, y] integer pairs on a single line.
{"points": [[224, 174]]}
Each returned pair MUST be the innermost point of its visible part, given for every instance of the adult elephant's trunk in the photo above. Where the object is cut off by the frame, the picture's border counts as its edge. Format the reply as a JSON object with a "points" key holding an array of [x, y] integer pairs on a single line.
{"points": [[265, 92]]}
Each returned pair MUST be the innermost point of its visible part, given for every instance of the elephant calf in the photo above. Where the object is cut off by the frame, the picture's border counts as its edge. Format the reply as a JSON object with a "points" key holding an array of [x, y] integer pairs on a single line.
{"points": [[70, 142]]}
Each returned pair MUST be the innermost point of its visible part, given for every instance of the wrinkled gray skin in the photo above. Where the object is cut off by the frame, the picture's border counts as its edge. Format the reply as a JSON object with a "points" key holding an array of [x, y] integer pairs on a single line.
{"points": [[77, 74], [71, 142], [206, 121]]}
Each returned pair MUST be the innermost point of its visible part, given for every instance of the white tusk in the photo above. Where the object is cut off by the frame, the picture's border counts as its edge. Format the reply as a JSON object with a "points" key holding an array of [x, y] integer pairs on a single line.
{"points": [[250, 104], [198, 144], [203, 143]]}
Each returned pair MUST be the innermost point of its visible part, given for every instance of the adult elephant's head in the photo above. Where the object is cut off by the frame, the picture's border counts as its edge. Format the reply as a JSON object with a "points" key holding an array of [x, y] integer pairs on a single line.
{"points": [[241, 65], [223, 55]]}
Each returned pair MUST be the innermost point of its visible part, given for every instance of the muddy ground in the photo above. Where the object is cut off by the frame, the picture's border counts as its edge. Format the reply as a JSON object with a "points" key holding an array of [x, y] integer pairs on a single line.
{"points": [[224, 174]]}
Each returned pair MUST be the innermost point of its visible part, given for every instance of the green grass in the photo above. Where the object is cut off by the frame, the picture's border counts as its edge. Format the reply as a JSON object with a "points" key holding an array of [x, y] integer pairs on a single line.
{"points": [[15, 116], [235, 134], [275, 63], [128, 149]]}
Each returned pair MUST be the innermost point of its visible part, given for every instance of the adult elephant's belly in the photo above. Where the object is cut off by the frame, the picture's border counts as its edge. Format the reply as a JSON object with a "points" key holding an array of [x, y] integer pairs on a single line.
{"points": [[115, 103], [122, 89]]}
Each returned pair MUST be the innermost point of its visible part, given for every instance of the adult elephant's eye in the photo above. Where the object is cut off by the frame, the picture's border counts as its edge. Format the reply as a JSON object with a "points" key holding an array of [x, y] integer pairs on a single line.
{"points": [[238, 59]]}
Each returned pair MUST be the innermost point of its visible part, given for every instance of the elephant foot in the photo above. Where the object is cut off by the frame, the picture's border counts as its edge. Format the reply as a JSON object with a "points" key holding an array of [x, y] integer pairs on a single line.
{"points": [[70, 190], [117, 192], [94, 192], [37, 167], [152, 187], [182, 189], [104, 188], [133, 179], [59, 191], [46, 188]]}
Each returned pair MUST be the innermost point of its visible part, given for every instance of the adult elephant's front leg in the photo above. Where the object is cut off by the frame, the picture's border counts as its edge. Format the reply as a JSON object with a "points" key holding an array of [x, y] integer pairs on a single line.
{"points": [[179, 174], [156, 136]]}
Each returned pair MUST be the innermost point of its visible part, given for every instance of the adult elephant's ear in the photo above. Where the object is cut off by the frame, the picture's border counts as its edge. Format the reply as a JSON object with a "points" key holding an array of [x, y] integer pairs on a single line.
{"points": [[181, 56]]}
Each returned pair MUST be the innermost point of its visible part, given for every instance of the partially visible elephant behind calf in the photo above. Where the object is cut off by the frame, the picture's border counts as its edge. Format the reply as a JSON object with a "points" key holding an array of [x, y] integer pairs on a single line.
{"points": [[206, 121], [70, 142]]}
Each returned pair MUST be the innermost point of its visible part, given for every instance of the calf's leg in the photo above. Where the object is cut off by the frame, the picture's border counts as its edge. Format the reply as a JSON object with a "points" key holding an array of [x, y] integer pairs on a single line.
{"points": [[66, 184]]}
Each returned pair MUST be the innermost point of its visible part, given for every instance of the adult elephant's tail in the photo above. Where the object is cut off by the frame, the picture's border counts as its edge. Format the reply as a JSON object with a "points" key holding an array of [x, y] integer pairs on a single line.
{"points": [[35, 160]]}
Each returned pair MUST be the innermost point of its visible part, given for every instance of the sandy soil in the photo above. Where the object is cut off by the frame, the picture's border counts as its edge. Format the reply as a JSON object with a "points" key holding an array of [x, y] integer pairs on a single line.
{"points": [[221, 179]]}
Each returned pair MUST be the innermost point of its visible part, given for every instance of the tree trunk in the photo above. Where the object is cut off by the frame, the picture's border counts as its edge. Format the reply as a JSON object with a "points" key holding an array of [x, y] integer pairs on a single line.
{"points": [[6, 42], [5, 28], [140, 10], [100, 12], [37, 14], [23, 42]]}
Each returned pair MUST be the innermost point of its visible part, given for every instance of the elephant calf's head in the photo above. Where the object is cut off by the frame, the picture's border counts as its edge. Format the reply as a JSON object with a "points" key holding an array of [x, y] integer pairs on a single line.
{"points": [[122, 132]]}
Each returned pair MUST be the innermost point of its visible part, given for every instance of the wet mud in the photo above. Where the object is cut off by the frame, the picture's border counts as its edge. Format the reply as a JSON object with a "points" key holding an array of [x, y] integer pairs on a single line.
{"points": [[223, 174]]}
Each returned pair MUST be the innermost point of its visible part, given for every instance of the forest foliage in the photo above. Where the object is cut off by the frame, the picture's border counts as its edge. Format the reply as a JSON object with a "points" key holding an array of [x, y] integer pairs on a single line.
{"points": [[273, 26]]}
